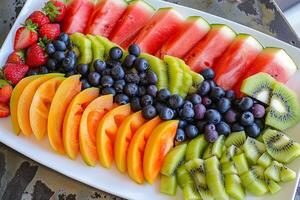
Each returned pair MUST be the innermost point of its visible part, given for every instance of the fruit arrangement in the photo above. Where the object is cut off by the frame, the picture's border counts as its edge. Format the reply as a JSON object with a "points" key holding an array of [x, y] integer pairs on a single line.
{"points": [[195, 104]]}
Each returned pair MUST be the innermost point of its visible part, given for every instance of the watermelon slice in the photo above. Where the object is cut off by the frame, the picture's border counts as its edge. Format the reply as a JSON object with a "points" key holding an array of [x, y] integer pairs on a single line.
{"points": [[164, 23], [191, 32], [105, 16], [274, 61], [208, 51], [135, 17], [236, 60], [77, 16]]}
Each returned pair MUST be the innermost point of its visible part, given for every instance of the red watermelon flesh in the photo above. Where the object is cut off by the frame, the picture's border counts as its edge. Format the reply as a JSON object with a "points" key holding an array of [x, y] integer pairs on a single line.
{"points": [[164, 23], [237, 59], [128, 41], [137, 14], [77, 16], [207, 52], [190, 33], [274, 61], [105, 17]]}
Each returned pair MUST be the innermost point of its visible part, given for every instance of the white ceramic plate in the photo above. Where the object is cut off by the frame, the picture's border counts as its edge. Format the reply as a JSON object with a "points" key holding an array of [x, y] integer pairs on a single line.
{"points": [[111, 180]]}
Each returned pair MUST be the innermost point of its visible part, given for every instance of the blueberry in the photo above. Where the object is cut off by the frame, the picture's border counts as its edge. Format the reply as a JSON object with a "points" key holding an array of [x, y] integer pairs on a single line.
{"points": [[106, 72], [115, 53], [163, 95], [204, 88], [236, 127], [51, 64], [129, 61], [223, 128], [131, 89], [142, 91], [175, 101], [70, 73], [187, 112], [85, 84], [108, 90], [245, 104], [206, 101], [230, 94], [209, 127], [199, 110], [201, 126], [187, 104], [59, 45], [68, 64], [208, 74], [159, 105], [83, 69], [94, 79], [247, 119], [117, 73], [211, 136], [217, 93], [119, 85], [99, 65], [107, 81], [112, 63], [182, 123], [71, 54], [223, 105], [132, 77], [149, 112], [166, 113], [213, 116], [43, 70], [152, 90], [151, 78], [191, 131], [64, 38], [141, 65], [146, 100], [134, 49], [195, 99], [260, 123], [180, 135], [212, 84], [231, 116], [253, 130], [50, 49], [258, 110], [135, 104], [121, 99], [59, 56], [32, 72]]}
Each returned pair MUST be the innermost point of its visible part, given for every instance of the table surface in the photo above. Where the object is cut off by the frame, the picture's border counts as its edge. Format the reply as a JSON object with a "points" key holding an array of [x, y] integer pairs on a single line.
{"points": [[22, 178]]}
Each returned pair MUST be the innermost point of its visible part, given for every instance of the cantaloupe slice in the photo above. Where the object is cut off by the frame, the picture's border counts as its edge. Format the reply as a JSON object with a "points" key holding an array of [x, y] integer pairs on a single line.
{"points": [[125, 133], [72, 120], [88, 126], [107, 131], [67, 90], [136, 150], [39, 109], [157, 147]]}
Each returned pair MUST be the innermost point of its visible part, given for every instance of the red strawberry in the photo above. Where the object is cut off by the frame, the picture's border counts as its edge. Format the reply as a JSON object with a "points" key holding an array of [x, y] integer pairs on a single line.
{"points": [[17, 57], [5, 93], [14, 72], [36, 56], [4, 110], [39, 18], [56, 10], [26, 36], [50, 31]]}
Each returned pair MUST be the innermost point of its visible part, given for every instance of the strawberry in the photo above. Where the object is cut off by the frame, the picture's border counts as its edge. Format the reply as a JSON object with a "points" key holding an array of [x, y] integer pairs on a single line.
{"points": [[56, 10], [17, 57], [39, 18], [4, 110], [14, 72], [26, 36], [5, 93], [50, 31], [36, 55]]}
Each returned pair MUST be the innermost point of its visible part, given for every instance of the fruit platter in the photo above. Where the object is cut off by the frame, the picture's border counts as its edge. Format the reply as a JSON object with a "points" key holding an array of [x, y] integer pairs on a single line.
{"points": [[152, 100]]}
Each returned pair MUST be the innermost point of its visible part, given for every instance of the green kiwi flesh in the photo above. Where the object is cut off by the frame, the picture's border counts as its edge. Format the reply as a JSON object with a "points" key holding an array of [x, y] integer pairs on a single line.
{"points": [[287, 174], [190, 193], [208, 152], [83, 48], [187, 78], [195, 148], [228, 168], [173, 159], [217, 147], [183, 177], [233, 186], [236, 138], [168, 185], [253, 149], [175, 74], [273, 171], [98, 49], [240, 163], [264, 160], [273, 186], [229, 153]]}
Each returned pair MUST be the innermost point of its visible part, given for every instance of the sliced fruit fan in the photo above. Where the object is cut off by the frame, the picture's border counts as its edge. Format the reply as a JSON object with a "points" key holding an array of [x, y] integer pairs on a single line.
{"points": [[196, 104]]}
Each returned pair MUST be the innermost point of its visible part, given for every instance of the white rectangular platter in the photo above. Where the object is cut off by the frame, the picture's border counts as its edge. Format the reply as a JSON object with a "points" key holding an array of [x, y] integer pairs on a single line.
{"points": [[111, 180]]}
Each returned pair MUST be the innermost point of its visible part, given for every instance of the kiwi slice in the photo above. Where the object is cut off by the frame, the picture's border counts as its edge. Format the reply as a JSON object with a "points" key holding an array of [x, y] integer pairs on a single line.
{"points": [[233, 186], [159, 68], [284, 110], [217, 147], [273, 171], [229, 153], [197, 80], [168, 185], [287, 174], [241, 164], [253, 149], [228, 168], [259, 86], [183, 177], [273, 186], [175, 74], [215, 178], [190, 193], [208, 152], [187, 78], [83, 48], [280, 146], [173, 159], [264, 160], [98, 48], [236, 138], [195, 148]]}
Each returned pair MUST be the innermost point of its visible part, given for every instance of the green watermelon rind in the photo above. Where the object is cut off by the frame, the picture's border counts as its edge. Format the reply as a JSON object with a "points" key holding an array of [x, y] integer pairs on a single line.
{"points": [[141, 2]]}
